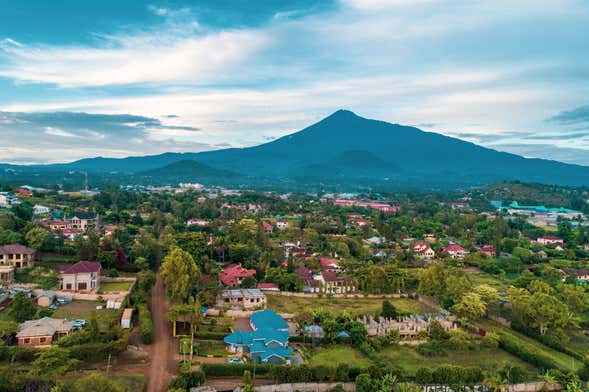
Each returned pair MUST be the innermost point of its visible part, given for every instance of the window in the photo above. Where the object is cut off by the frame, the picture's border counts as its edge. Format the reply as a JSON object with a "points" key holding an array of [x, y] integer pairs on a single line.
{"points": [[42, 340], [27, 340]]}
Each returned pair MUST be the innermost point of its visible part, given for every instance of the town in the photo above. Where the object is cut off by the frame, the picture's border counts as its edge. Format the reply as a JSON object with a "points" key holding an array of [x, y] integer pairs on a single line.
{"points": [[204, 288]]}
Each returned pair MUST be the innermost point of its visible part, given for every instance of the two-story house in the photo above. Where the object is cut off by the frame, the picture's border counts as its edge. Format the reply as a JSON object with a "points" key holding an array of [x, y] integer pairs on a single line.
{"points": [[17, 255], [84, 277]]}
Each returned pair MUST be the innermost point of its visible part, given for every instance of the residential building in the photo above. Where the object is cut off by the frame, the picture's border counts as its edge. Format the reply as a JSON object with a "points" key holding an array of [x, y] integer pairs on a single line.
{"points": [[17, 255], [7, 199], [281, 224], [268, 228], [197, 222], [84, 276], [423, 250], [6, 274], [582, 275], [328, 264], [455, 251], [550, 240], [83, 221], [239, 299], [234, 274], [43, 332], [266, 343], [38, 209], [488, 251]]}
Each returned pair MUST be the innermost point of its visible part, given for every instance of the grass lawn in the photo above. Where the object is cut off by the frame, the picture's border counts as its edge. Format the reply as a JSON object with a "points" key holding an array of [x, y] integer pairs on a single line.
{"points": [[109, 287], [561, 359], [85, 310], [335, 355], [494, 281], [354, 306], [211, 347], [410, 360]]}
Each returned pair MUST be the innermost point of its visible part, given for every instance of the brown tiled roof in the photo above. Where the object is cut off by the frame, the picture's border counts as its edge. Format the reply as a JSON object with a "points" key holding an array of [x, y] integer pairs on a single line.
{"points": [[80, 267], [16, 249]]}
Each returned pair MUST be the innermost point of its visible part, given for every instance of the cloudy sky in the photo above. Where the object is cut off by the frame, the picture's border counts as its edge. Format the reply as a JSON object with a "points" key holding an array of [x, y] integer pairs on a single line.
{"points": [[118, 78]]}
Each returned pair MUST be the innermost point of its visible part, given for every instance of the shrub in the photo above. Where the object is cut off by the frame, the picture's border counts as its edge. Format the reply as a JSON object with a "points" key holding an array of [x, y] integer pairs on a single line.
{"points": [[188, 380], [423, 376], [431, 349], [490, 340]]}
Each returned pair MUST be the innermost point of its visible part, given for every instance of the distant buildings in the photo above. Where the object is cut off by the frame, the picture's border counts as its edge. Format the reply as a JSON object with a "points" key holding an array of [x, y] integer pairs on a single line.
{"points": [[41, 210], [372, 204]]}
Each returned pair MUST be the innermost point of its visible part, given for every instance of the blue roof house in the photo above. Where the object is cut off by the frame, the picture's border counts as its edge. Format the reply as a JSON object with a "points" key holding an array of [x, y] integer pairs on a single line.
{"points": [[266, 343]]}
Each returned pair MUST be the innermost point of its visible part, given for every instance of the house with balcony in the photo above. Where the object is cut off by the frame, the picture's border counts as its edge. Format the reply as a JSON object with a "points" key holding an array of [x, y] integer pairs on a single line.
{"points": [[17, 255]]}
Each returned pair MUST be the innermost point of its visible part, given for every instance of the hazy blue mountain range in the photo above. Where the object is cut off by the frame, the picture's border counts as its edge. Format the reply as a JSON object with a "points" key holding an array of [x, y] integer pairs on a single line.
{"points": [[342, 149]]}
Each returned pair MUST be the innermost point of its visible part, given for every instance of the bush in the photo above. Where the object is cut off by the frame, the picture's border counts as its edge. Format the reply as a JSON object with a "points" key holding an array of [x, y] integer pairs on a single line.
{"points": [[145, 325], [423, 376], [188, 380], [432, 348], [490, 340], [515, 374], [583, 373]]}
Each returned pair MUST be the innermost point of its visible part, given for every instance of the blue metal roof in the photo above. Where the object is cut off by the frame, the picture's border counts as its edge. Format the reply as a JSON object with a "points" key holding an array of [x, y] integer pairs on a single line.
{"points": [[268, 319]]}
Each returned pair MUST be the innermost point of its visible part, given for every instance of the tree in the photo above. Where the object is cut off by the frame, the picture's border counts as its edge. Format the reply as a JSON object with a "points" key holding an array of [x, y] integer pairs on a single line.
{"points": [[489, 295], [247, 382], [37, 237], [388, 310], [470, 305], [21, 308], [52, 361], [180, 274]]}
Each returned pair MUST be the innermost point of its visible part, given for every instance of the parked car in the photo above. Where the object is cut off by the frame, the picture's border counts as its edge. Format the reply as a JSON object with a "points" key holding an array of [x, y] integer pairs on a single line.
{"points": [[235, 360]]}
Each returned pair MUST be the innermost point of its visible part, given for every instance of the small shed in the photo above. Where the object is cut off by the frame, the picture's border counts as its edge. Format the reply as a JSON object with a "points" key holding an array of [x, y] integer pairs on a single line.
{"points": [[46, 299], [126, 319]]}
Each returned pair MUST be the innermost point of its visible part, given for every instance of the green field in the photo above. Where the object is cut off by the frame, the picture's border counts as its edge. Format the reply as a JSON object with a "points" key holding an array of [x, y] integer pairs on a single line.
{"points": [[109, 287], [335, 355], [354, 306], [410, 360], [86, 310]]}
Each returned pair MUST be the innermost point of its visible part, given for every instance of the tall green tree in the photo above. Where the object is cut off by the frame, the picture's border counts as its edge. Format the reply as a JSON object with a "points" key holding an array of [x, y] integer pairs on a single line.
{"points": [[180, 274]]}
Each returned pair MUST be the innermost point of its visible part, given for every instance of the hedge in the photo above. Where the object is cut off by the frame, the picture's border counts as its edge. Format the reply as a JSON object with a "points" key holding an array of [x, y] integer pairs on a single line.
{"points": [[94, 352], [145, 325], [204, 335], [234, 370], [538, 360], [285, 374]]}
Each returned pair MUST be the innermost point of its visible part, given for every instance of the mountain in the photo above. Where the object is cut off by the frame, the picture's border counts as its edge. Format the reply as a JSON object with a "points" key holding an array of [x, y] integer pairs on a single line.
{"points": [[347, 151], [184, 171]]}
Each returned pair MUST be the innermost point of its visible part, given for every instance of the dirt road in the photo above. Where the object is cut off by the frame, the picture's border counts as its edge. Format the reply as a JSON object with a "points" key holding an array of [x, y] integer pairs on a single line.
{"points": [[163, 351]]}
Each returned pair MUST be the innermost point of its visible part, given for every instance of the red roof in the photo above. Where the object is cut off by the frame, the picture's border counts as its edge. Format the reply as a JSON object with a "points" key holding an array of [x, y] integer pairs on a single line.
{"points": [[304, 273], [16, 249], [81, 267], [328, 263], [233, 273], [267, 225], [454, 248]]}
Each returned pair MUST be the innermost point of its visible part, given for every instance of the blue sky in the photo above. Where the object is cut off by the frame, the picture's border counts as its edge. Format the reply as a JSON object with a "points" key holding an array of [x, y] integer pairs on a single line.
{"points": [[119, 78]]}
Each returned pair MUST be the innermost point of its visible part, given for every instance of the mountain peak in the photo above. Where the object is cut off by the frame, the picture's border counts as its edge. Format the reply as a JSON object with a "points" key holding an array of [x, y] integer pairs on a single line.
{"points": [[343, 113]]}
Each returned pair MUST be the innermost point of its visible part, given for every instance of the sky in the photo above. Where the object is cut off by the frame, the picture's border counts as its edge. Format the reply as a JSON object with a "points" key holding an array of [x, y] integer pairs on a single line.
{"points": [[118, 78]]}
